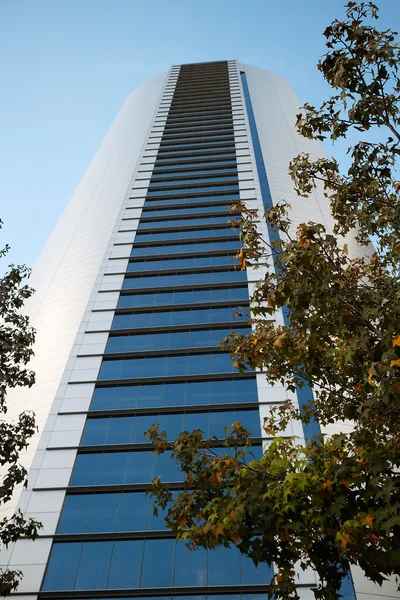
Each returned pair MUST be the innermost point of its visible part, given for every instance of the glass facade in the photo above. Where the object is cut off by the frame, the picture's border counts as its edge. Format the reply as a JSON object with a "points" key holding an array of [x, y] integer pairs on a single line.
{"points": [[163, 364]]}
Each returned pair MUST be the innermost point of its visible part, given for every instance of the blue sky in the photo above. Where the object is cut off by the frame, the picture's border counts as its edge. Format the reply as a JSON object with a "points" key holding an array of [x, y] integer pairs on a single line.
{"points": [[66, 66]]}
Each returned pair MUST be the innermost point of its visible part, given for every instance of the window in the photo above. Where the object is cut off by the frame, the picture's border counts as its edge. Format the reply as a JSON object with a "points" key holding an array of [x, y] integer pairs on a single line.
{"points": [[175, 394], [126, 467], [126, 430], [231, 187], [184, 211], [183, 222], [180, 279], [207, 246], [197, 338], [183, 262], [131, 368], [130, 564], [188, 296], [222, 196], [187, 234]]}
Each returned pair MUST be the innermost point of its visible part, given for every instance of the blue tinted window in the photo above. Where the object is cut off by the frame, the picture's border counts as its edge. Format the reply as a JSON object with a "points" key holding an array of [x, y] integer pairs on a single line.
{"points": [[223, 566], [183, 279], [75, 513], [178, 222], [103, 398], [171, 202], [188, 234], [152, 563], [126, 564], [169, 365], [95, 431], [133, 512], [183, 297], [158, 563], [140, 467], [112, 468], [167, 468], [190, 566], [185, 210], [212, 424], [178, 394], [120, 431], [204, 246], [167, 341], [62, 566], [126, 397], [109, 512], [93, 566], [251, 574], [181, 263], [104, 513], [86, 469]]}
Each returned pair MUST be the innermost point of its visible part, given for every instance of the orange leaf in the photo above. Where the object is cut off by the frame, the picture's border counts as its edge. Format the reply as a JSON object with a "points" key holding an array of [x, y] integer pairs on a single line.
{"points": [[328, 485], [344, 540], [236, 539], [395, 363], [368, 521], [207, 527], [396, 341]]}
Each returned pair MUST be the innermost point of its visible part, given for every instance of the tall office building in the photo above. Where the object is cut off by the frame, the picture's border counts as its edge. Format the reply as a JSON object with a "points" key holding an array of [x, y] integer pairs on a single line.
{"points": [[135, 288]]}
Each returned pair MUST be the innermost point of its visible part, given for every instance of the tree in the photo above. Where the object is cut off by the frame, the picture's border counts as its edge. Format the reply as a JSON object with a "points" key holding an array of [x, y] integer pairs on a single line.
{"points": [[16, 341], [336, 500]]}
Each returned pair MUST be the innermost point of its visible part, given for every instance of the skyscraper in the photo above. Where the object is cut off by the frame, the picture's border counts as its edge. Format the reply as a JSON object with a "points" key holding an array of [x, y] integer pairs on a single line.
{"points": [[135, 288]]}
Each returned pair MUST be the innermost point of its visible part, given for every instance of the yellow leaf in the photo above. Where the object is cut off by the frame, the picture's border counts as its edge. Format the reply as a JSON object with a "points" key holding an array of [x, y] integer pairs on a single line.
{"points": [[280, 340], [395, 363], [370, 376], [396, 341], [345, 249]]}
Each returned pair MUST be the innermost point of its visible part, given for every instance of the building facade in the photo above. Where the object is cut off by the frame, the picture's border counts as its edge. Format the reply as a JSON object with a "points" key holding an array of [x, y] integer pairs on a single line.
{"points": [[135, 288]]}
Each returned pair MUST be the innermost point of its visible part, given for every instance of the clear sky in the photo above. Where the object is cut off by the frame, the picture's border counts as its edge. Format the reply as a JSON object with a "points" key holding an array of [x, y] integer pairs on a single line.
{"points": [[66, 66]]}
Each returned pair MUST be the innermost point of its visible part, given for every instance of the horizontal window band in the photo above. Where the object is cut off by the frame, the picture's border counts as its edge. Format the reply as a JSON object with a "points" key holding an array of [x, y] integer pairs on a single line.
{"points": [[115, 535], [152, 353], [172, 328], [159, 271], [174, 288], [218, 167], [167, 379], [144, 446], [208, 154], [157, 592], [186, 192], [169, 132], [168, 307], [218, 207], [106, 489], [197, 181], [170, 410]]}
